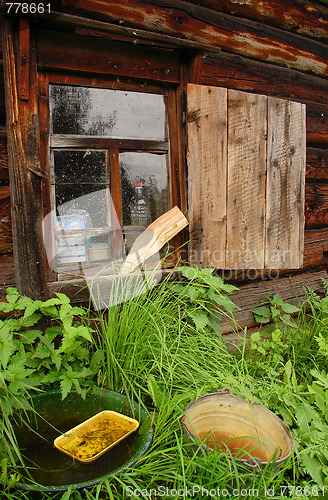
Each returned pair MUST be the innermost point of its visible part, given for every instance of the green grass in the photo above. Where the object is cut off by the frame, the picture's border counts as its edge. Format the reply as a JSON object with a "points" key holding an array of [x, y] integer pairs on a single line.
{"points": [[155, 354]]}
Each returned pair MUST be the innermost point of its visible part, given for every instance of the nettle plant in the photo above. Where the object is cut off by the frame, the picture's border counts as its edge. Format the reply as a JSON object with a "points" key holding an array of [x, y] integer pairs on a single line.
{"points": [[206, 297], [44, 344]]}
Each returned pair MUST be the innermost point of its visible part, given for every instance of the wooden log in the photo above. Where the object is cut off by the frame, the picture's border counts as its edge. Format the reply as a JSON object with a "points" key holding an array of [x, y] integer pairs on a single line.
{"points": [[7, 272], [199, 24], [24, 169], [316, 164], [242, 73], [315, 247], [291, 289], [6, 239], [4, 172], [90, 54], [317, 124], [316, 205], [301, 17]]}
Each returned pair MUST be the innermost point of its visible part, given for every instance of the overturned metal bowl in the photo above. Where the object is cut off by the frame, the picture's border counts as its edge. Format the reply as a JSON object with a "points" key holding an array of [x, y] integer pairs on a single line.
{"points": [[249, 432]]}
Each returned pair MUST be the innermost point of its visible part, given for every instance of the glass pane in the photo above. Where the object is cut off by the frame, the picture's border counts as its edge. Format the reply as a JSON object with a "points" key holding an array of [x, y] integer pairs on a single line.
{"points": [[83, 199], [80, 166], [107, 113], [144, 178]]}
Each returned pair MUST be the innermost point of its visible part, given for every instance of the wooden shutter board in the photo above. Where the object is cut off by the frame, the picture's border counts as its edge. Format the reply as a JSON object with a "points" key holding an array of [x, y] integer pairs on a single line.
{"points": [[207, 167], [285, 184], [246, 180], [257, 177]]}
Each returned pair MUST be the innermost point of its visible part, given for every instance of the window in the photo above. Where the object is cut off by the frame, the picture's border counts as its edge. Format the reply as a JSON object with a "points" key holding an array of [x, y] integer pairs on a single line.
{"points": [[109, 170], [246, 174]]}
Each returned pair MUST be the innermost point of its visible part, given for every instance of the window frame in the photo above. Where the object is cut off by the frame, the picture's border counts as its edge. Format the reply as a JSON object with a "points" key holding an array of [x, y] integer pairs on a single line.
{"points": [[172, 148]]}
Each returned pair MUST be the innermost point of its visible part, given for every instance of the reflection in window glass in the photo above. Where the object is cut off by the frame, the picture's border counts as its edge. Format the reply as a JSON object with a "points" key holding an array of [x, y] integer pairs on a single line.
{"points": [[107, 113], [80, 166], [144, 178], [81, 186]]}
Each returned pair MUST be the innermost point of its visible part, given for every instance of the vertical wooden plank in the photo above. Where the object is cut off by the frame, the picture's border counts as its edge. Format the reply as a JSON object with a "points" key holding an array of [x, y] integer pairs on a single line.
{"points": [[24, 58], [247, 128], [177, 171], [285, 184], [207, 170], [44, 121], [24, 169], [115, 208]]}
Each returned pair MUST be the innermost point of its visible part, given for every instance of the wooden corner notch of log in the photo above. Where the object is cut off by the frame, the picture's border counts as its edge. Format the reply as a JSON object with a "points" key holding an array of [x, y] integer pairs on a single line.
{"points": [[155, 236]]}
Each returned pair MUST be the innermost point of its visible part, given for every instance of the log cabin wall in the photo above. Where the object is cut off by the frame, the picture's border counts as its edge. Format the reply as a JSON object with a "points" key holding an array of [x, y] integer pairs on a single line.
{"points": [[274, 47], [6, 242]]}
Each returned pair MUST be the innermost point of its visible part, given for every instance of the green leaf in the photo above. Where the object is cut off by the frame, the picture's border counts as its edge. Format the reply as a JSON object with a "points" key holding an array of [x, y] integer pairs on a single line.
{"points": [[313, 467], [215, 325], [288, 321], [31, 308], [262, 314], [277, 335], [96, 360], [199, 318], [30, 336], [256, 337], [78, 311], [305, 414], [54, 331], [5, 307], [189, 272], [65, 386], [290, 308], [63, 298], [79, 331], [52, 302], [23, 302], [207, 271], [288, 369], [276, 299], [29, 321], [12, 295], [7, 346], [147, 424]]}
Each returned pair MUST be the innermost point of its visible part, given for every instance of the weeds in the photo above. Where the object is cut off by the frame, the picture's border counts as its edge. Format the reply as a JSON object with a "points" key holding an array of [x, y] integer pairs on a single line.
{"points": [[155, 351]]}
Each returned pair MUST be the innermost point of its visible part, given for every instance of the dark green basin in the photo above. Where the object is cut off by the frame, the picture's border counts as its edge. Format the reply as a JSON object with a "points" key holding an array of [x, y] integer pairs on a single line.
{"points": [[52, 470]]}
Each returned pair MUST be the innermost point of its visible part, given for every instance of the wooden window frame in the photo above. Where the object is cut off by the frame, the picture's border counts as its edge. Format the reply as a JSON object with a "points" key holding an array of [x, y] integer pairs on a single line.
{"points": [[171, 147]]}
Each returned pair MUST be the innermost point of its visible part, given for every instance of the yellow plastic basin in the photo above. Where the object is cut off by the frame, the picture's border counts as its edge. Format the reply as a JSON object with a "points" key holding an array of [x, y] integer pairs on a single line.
{"points": [[93, 437]]}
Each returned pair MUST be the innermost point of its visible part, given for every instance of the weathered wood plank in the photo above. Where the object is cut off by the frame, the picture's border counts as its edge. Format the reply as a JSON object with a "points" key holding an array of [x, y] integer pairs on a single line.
{"points": [[285, 184], [242, 73], [24, 170], [301, 17], [207, 173], [247, 129], [178, 176], [80, 141], [291, 289], [316, 205], [24, 59], [90, 54], [193, 22]]}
